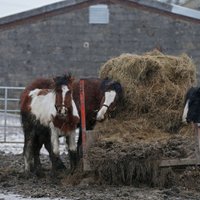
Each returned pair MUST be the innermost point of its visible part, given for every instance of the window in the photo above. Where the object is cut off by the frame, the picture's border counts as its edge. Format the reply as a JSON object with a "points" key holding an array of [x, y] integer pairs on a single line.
{"points": [[99, 14]]}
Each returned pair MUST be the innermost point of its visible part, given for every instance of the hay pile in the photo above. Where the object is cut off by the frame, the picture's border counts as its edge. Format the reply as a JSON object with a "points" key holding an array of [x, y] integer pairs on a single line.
{"points": [[147, 126], [154, 86]]}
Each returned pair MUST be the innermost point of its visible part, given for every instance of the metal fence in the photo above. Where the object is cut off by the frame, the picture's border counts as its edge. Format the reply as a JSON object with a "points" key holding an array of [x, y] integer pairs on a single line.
{"points": [[10, 123], [11, 133]]}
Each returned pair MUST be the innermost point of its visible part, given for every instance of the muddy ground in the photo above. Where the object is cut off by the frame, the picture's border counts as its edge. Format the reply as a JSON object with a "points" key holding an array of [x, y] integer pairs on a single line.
{"points": [[12, 180]]}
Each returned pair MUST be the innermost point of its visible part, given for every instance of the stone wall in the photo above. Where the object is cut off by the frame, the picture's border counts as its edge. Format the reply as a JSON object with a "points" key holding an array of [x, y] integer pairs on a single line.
{"points": [[68, 43]]}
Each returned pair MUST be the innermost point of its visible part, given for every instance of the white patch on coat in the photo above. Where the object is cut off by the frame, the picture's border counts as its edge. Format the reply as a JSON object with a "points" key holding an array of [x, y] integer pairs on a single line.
{"points": [[185, 111], [34, 93], [109, 98], [43, 106]]}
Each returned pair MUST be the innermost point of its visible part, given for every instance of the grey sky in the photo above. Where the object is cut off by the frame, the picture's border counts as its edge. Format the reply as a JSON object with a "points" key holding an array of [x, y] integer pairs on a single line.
{"points": [[9, 7]]}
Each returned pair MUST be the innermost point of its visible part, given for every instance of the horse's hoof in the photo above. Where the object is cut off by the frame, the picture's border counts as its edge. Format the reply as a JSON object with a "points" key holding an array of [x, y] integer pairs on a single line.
{"points": [[27, 175], [71, 171], [39, 173], [60, 167], [55, 176]]}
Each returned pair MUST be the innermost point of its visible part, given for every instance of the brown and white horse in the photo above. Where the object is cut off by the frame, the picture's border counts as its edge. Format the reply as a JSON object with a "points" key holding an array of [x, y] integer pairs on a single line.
{"points": [[47, 112]]}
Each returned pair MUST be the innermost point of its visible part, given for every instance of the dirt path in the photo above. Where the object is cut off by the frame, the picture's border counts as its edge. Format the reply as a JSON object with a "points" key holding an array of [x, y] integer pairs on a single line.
{"points": [[51, 187]]}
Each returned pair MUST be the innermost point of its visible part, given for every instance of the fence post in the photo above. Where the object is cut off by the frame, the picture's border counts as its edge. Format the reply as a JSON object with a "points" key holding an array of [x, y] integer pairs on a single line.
{"points": [[5, 113], [197, 141], [86, 166]]}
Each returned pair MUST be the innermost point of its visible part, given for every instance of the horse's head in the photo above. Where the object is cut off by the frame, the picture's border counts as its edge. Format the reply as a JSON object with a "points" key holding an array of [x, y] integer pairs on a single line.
{"points": [[64, 102], [112, 93]]}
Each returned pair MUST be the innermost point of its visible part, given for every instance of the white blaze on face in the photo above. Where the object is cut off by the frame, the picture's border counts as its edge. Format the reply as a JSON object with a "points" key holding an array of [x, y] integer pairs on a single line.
{"points": [[185, 111], [109, 98], [65, 89]]}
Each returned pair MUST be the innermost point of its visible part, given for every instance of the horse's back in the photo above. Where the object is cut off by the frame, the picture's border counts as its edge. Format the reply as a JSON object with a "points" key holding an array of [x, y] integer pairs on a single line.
{"points": [[91, 90], [41, 83], [25, 98]]}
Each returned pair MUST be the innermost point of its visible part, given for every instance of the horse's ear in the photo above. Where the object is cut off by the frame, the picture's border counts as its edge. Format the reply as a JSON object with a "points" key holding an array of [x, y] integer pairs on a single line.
{"points": [[71, 79]]}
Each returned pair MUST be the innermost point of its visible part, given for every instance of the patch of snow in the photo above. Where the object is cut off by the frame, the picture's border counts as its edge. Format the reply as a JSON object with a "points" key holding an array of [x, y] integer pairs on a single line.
{"points": [[11, 196], [12, 137]]}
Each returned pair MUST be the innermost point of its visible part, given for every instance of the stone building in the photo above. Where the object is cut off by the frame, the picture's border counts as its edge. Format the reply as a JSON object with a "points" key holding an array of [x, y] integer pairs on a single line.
{"points": [[78, 36]]}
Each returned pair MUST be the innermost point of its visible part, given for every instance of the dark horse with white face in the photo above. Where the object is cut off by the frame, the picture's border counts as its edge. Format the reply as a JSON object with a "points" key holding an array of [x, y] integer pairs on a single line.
{"points": [[191, 111], [102, 97], [47, 112]]}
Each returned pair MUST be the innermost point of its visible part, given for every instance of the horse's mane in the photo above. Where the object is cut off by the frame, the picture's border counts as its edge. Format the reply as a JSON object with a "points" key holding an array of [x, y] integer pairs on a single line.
{"points": [[66, 79], [50, 83], [190, 93], [109, 84]]}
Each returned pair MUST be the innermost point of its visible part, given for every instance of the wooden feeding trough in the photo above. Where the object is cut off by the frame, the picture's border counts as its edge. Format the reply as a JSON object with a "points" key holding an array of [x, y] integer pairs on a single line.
{"points": [[186, 162]]}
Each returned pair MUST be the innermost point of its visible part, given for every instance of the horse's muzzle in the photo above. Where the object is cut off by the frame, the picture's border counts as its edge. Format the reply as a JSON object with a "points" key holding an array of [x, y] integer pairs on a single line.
{"points": [[62, 111]]}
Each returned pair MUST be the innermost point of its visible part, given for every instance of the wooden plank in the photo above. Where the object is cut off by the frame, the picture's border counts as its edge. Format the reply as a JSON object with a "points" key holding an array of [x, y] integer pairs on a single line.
{"points": [[91, 137], [197, 141], [186, 162], [179, 162]]}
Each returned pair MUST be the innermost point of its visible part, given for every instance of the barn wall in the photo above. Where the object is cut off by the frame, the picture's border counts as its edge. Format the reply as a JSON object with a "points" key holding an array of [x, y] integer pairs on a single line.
{"points": [[56, 45]]}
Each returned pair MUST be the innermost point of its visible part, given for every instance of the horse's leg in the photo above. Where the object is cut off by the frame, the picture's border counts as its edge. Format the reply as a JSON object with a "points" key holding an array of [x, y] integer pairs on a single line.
{"points": [[57, 163], [29, 135], [37, 146], [72, 149], [79, 145], [54, 147], [28, 151]]}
